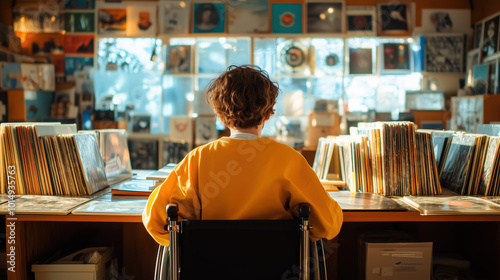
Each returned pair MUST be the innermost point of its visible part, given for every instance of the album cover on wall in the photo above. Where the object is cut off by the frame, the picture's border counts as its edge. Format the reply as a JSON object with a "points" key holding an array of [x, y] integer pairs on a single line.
{"points": [[209, 17], [293, 57], [42, 43], [79, 44], [360, 61], [143, 153], [73, 64], [140, 123], [286, 17], [37, 18], [472, 61], [394, 18], [361, 21], [179, 59], [490, 36], [205, 131], [492, 76], [325, 16], [478, 35], [246, 17], [174, 17], [79, 4], [10, 75], [444, 53], [480, 78], [396, 58], [79, 21], [141, 20], [173, 152], [181, 128], [112, 20], [446, 20]]}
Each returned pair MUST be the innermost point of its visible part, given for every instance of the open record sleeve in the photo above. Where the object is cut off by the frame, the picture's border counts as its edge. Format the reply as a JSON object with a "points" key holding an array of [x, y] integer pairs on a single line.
{"points": [[365, 201], [453, 205]]}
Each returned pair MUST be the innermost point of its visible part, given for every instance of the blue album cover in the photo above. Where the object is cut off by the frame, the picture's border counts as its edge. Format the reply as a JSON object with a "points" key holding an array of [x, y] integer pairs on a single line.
{"points": [[209, 18], [39, 107], [286, 18], [72, 64], [10, 75]]}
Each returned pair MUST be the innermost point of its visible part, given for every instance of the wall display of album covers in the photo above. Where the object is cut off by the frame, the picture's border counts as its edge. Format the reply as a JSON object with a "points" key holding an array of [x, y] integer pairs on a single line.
{"points": [[489, 42], [360, 61], [394, 18], [396, 58], [286, 18], [325, 16], [174, 17], [209, 17], [141, 20], [444, 53], [361, 21], [77, 63], [251, 16]]}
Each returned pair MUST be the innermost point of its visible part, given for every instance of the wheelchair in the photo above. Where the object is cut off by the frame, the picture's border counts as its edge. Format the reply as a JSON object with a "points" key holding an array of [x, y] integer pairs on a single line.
{"points": [[240, 249]]}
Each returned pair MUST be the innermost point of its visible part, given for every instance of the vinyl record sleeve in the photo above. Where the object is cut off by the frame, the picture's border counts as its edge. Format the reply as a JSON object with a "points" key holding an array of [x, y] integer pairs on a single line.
{"points": [[113, 206], [365, 201], [45, 204], [452, 205], [456, 168]]}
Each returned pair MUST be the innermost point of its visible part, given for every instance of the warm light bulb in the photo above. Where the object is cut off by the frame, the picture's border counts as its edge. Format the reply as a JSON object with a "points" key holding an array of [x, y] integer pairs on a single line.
{"points": [[331, 10], [53, 18], [322, 16], [182, 4]]}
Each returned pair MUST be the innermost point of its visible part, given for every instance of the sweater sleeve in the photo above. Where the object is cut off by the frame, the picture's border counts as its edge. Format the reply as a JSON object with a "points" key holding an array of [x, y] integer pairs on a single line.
{"points": [[326, 215], [180, 188]]}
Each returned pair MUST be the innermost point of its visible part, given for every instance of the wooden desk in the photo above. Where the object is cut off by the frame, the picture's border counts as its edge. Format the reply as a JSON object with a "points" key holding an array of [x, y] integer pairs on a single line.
{"points": [[38, 236]]}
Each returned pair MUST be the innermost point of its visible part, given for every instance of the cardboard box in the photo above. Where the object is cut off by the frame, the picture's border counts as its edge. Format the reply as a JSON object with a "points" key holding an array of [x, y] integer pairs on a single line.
{"points": [[65, 268], [408, 261]]}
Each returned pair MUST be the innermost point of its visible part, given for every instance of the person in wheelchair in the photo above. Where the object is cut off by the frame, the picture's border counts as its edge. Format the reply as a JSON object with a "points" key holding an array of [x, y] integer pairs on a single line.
{"points": [[244, 176]]}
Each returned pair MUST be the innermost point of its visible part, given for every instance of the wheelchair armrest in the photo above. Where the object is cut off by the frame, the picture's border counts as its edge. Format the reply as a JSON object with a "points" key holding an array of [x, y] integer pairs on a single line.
{"points": [[172, 212]]}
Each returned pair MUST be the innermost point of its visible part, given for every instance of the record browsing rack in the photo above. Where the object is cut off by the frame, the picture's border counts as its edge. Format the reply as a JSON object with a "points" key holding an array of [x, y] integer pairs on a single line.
{"points": [[397, 159]]}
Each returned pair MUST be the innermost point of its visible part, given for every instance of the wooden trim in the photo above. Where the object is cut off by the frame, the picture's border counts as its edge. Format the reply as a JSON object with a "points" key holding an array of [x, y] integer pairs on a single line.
{"points": [[80, 218], [349, 216]]}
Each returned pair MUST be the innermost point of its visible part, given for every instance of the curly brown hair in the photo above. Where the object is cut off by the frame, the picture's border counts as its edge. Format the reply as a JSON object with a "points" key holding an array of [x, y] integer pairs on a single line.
{"points": [[243, 96]]}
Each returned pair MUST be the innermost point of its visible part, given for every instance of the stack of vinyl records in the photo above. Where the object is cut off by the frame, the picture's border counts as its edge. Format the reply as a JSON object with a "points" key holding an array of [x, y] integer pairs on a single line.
{"points": [[389, 158], [470, 164], [50, 159]]}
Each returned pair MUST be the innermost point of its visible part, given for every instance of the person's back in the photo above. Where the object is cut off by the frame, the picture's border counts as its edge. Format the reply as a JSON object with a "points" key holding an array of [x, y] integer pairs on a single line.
{"points": [[244, 176]]}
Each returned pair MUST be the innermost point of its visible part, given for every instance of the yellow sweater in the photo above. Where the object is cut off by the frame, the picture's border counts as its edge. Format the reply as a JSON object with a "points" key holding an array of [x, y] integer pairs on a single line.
{"points": [[237, 179]]}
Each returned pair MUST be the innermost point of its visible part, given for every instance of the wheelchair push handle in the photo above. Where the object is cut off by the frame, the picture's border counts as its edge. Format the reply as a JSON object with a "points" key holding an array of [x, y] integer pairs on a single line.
{"points": [[304, 211], [172, 212]]}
